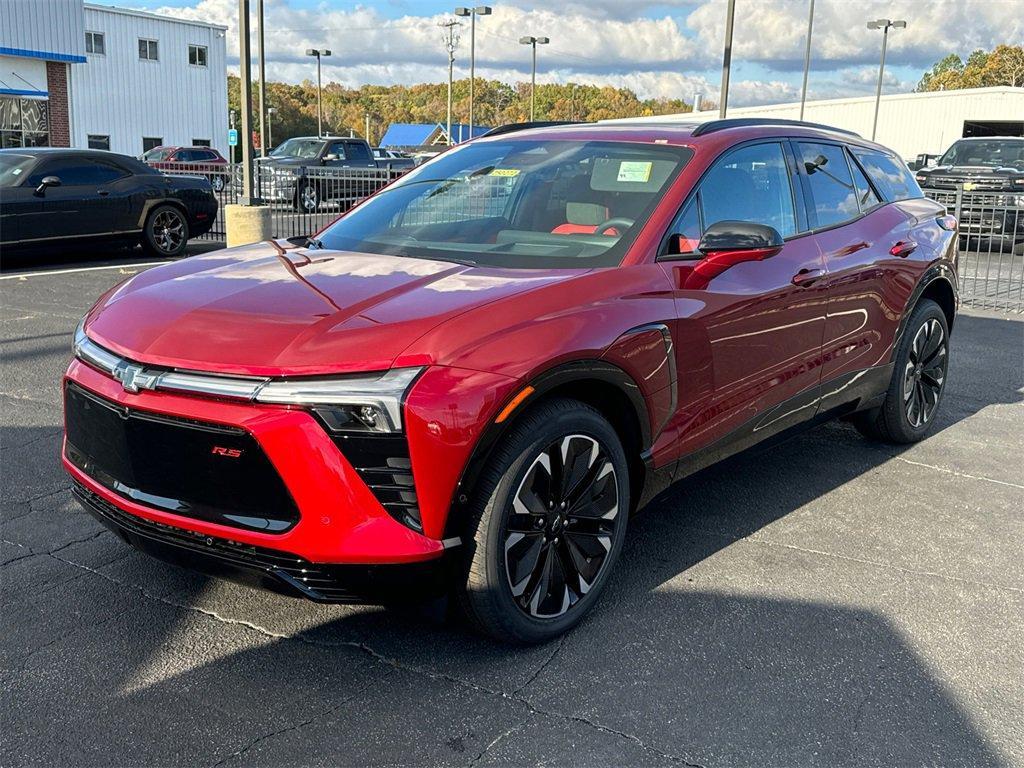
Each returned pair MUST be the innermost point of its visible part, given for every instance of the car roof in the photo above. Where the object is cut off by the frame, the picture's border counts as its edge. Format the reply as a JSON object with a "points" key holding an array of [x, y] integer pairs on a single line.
{"points": [[682, 133], [990, 138]]}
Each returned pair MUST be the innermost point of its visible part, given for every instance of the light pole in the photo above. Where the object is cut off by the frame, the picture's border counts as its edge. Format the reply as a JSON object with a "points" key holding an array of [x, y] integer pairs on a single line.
{"points": [[480, 10], [263, 77], [319, 91], [723, 104], [807, 59], [534, 42], [270, 126], [884, 25]]}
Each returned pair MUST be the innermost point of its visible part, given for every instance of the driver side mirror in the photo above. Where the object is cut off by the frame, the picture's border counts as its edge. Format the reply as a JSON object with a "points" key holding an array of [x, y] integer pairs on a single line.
{"points": [[728, 243], [47, 181], [331, 157]]}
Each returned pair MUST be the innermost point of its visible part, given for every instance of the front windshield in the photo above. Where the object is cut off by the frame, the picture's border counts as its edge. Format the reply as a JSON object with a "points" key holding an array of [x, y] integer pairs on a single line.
{"points": [[14, 168], [298, 148], [992, 154], [516, 203], [160, 153]]}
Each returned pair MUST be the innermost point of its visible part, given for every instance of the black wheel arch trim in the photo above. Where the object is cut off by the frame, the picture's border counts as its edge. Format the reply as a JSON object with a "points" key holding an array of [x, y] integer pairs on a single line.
{"points": [[940, 271], [544, 383]]}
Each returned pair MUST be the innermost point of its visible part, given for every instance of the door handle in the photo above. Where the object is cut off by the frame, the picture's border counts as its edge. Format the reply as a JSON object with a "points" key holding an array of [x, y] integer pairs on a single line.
{"points": [[903, 248], [805, 277], [102, 192]]}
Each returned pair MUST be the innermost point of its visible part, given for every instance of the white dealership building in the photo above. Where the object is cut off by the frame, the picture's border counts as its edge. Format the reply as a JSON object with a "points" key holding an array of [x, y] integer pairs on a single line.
{"points": [[909, 123], [80, 75]]}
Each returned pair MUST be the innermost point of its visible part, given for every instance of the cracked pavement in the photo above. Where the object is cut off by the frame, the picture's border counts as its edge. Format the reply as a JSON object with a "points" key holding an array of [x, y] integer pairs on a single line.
{"points": [[827, 601]]}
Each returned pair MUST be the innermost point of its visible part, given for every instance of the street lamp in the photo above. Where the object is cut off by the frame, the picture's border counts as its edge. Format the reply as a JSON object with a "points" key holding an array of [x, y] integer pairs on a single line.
{"points": [[271, 111], [480, 10], [534, 42], [884, 25], [319, 91], [807, 59]]}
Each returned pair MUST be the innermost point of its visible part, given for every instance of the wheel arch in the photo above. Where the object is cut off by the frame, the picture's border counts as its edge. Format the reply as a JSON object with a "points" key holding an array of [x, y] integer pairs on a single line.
{"points": [[597, 383], [938, 284]]}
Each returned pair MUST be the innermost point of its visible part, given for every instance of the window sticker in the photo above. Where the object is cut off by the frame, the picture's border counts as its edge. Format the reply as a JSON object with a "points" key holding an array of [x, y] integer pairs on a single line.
{"points": [[507, 172], [639, 172]]}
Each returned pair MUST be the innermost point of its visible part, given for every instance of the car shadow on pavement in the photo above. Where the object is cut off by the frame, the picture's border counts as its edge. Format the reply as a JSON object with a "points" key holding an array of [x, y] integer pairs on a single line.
{"points": [[713, 644]]}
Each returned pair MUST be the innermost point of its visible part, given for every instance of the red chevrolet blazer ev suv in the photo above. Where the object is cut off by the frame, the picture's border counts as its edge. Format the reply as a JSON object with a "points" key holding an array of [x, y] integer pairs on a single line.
{"points": [[469, 382]]}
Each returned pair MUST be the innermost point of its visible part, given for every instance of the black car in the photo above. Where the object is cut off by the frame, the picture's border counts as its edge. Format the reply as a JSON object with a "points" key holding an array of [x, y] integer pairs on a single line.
{"points": [[306, 171], [987, 173], [61, 196]]}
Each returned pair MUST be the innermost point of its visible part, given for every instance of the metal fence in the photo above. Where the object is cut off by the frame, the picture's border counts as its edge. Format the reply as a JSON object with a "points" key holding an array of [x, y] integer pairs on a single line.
{"points": [[991, 246], [302, 200]]}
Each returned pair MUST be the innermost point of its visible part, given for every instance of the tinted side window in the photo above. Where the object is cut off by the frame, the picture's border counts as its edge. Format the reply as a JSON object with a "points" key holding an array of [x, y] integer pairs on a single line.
{"points": [[832, 192], [78, 172], [337, 148], [687, 227], [866, 196], [891, 176], [750, 184], [359, 153]]}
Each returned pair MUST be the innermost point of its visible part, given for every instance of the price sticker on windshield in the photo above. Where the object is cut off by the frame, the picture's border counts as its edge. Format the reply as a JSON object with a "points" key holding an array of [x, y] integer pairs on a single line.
{"points": [[633, 171], [506, 172]]}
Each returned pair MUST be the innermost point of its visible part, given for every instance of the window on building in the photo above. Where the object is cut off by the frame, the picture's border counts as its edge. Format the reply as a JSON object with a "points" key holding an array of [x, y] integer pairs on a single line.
{"points": [[832, 190], [197, 55], [97, 141], [200, 142], [95, 43], [24, 122], [151, 142], [148, 50]]}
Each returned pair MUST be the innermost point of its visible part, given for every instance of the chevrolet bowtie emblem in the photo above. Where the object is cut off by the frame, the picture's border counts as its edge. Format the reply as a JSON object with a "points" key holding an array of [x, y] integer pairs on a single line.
{"points": [[134, 377], [968, 186]]}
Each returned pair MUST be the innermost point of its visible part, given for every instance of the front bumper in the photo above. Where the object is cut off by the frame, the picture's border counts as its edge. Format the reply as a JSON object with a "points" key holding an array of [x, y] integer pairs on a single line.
{"points": [[264, 568], [340, 520]]}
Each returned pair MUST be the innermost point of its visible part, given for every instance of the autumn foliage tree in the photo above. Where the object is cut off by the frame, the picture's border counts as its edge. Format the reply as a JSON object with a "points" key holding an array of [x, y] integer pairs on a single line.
{"points": [[1002, 66], [497, 103]]}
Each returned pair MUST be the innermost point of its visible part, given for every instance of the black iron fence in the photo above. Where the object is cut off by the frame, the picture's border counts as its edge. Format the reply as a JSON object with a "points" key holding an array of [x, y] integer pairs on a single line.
{"points": [[991, 245], [301, 200]]}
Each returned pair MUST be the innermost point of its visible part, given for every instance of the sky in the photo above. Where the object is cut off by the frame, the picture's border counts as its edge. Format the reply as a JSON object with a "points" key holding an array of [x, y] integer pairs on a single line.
{"points": [[668, 48]]}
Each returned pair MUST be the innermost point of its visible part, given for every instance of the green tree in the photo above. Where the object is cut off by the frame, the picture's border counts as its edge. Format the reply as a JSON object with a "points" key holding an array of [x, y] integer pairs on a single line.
{"points": [[1004, 65]]}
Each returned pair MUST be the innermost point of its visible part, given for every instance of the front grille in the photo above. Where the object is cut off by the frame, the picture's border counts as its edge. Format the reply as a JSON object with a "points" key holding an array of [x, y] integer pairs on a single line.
{"points": [[195, 469], [315, 582], [382, 462]]}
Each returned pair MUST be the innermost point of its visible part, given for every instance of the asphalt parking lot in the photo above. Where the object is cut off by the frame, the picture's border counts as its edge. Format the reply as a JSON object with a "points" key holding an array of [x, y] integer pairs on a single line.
{"points": [[825, 602]]}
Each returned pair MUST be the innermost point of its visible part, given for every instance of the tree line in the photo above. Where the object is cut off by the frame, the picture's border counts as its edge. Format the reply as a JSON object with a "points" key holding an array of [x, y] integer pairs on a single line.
{"points": [[496, 103], [1004, 65]]}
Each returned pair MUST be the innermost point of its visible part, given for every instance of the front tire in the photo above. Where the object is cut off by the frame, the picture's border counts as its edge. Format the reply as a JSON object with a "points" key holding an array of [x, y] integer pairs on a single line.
{"points": [[307, 199], [548, 521], [918, 380], [165, 234]]}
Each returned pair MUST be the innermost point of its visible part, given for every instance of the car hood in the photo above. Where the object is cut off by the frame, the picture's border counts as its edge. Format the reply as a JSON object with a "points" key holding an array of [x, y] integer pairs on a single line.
{"points": [[272, 309], [972, 171]]}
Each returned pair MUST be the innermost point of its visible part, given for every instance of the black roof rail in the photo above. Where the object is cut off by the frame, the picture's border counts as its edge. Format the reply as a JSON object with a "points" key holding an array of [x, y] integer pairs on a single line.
{"points": [[745, 122], [513, 127]]}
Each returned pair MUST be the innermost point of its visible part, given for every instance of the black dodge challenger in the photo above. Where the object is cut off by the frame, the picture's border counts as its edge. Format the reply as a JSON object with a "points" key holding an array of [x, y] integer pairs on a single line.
{"points": [[57, 197]]}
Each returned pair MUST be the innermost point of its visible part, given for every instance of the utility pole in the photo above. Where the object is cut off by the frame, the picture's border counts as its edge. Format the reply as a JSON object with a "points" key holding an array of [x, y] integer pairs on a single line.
{"points": [[263, 79], [366, 133], [245, 82], [723, 102], [807, 59], [451, 42]]}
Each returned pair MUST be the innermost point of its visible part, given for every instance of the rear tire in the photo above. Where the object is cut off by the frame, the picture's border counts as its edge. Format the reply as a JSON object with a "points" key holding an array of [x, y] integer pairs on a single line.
{"points": [[165, 234], [918, 380], [542, 542]]}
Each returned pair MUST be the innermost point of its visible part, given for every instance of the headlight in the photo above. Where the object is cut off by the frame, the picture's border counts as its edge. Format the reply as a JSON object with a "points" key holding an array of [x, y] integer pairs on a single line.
{"points": [[371, 403]]}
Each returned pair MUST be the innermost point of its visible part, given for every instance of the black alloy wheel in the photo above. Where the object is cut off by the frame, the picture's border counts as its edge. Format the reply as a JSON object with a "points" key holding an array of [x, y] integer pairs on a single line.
{"points": [[559, 533], [924, 373], [166, 232]]}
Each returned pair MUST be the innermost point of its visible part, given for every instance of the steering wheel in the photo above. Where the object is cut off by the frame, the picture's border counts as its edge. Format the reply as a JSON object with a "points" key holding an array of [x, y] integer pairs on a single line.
{"points": [[620, 222]]}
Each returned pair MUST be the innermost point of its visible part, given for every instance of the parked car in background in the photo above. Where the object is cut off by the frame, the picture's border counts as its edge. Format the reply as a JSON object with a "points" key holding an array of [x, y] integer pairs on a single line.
{"points": [[71, 197], [472, 380], [988, 173], [307, 171], [380, 153], [199, 161]]}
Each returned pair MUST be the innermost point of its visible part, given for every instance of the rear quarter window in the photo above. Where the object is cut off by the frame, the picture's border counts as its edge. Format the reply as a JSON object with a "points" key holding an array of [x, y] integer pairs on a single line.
{"points": [[890, 175]]}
